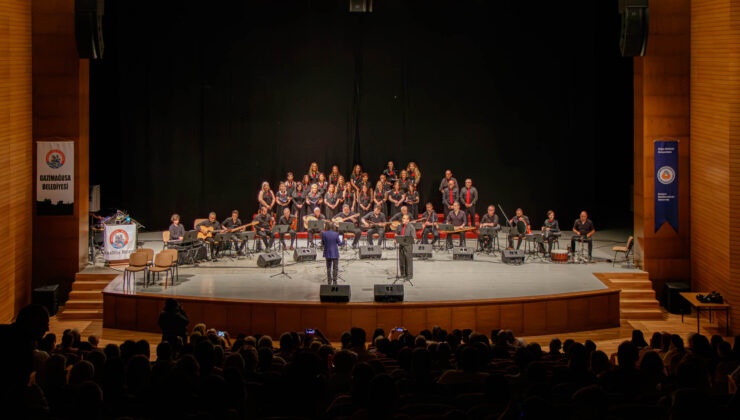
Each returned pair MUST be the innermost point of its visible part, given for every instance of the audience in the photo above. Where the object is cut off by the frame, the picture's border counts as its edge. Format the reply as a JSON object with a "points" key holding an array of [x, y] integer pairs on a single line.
{"points": [[461, 374]]}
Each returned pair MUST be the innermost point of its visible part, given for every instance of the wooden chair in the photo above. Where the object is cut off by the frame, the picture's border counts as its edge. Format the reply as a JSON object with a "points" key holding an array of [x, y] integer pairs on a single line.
{"points": [[175, 270], [197, 222], [162, 264], [165, 238], [149, 254], [136, 263], [627, 250]]}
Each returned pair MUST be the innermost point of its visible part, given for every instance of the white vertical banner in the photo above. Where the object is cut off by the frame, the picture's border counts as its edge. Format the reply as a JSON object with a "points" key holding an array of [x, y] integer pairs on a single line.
{"points": [[119, 241], [55, 171]]}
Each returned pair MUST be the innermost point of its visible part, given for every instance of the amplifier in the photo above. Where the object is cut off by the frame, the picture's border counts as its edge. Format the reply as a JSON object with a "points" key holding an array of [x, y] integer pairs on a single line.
{"points": [[334, 293], [462, 253], [512, 256], [388, 292], [268, 259], [304, 254], [48, 296], [373, 252], [423, 251]]}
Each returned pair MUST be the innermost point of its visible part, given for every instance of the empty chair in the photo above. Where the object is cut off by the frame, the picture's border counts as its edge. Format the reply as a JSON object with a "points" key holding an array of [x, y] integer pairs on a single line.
{"points": [[136, 263], [162, 263], [175, 271], [149, 254], [165, 238], [627, 250]]}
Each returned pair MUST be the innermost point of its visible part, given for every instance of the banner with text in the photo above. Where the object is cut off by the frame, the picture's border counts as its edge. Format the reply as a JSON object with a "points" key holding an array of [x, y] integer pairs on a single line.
{"points": [[119, 241], [666, 183], [55, 169]]}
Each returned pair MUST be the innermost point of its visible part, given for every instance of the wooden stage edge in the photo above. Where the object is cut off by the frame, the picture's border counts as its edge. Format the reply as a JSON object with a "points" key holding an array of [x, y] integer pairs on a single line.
{"points": [[531, 315]]}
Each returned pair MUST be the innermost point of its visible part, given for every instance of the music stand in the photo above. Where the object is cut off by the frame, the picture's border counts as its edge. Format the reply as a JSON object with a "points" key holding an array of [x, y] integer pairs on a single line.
{"points": [[445, 227], [314, 225], [486, 231], [220, 238], [406, 241], [281, 230]]}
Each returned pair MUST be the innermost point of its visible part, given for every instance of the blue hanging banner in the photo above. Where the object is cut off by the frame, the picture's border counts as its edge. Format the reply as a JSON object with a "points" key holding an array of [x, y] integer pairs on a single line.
{"points": [[666, 183]]}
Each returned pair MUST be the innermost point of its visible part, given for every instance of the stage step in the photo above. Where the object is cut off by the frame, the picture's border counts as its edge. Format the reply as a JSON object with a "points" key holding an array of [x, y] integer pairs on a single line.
{"points": [[632, 284], [638, 294], [644, 314], [83, 304], [89, 284], [639, 304], [86, 294], [90, 314]]}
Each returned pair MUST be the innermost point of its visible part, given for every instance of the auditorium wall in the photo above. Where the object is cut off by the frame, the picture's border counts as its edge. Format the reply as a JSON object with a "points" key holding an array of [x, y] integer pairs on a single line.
{"points": [[15, 156], [715, 149]]}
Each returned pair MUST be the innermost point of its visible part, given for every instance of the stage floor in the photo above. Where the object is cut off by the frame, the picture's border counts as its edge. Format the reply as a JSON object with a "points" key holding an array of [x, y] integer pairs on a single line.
{"points": [[437, 279]]}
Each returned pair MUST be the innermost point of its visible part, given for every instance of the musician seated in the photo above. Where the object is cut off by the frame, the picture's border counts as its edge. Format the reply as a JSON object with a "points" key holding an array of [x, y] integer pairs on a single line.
{"points": [[263, 228], [177, 231], [458, 219], [288, 219], [231, 223], [208, 227], [521, 224], [429, 222], [315, 216], [489, 220], [549, 227], [398, 217], [374, 222], [346, 216], [583, 229]]}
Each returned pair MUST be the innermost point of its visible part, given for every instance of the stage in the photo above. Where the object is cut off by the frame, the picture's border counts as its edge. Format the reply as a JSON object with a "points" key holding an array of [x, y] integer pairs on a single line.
{"points": [[535, 298]]}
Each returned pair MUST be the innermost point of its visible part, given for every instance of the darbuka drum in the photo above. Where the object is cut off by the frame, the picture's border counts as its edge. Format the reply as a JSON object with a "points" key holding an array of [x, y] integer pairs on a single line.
{"points": [[559, 256], [521, 227]]}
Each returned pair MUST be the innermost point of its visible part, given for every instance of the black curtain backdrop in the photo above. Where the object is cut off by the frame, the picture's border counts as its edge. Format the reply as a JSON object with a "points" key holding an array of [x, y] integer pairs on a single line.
{"points": [[197, 103]]}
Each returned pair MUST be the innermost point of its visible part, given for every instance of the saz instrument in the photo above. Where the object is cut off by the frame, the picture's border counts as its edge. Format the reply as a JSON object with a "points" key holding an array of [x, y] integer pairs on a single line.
{"points": [[340, 219], [239, 228]]}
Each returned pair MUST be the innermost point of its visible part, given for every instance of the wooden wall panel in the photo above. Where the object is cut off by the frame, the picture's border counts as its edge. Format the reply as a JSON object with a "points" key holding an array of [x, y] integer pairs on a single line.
{"points": [[528, 315], [661, 108], [715, 149], [60, 109], [16, 178]]}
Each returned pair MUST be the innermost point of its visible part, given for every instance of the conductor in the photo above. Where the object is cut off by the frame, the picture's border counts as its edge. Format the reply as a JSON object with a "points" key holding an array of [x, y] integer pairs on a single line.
{"points": [[331, 241], [405, 252]]}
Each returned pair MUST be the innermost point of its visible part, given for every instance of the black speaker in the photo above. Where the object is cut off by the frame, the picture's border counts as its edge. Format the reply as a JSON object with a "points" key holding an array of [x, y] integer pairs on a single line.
{"points": [[388, 292], [304, 254], [512, 256], [634, 32], [89, 28], [334, 293], [423, 251], [372, 252], [269, 259], [672, 299], [47, 296], [462, 253]]}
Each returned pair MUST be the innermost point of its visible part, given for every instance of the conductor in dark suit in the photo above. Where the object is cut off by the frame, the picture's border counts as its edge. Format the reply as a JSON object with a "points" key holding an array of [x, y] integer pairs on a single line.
{"points": [[406, 252], [331, 241]]}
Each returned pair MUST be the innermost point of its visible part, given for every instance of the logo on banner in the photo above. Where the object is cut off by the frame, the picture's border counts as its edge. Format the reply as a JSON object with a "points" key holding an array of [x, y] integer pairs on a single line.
{"points": [[55, 159], [666, 175], [118, 239]]}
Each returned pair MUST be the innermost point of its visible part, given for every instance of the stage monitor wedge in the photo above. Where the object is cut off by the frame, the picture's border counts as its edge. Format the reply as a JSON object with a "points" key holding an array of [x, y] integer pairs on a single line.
{"points": [[269, 259], [422, 251], [89, 28], [304, 254], [371, 252], [388, 292], [462, 253], [512, 256], [634, 30], [335, 293]]}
